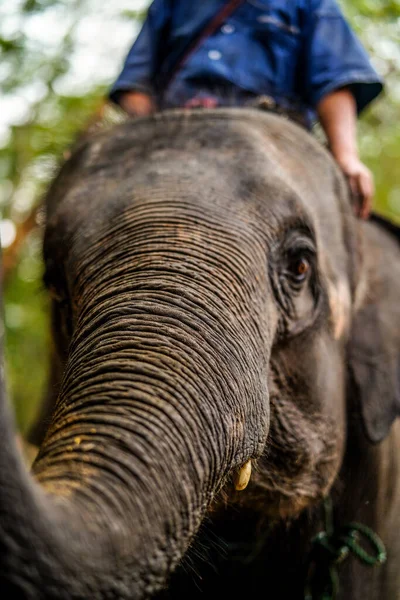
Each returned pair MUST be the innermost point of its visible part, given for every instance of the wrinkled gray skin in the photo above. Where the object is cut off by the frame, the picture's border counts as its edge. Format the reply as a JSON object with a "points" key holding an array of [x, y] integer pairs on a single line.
{"points": [[215, 301]]}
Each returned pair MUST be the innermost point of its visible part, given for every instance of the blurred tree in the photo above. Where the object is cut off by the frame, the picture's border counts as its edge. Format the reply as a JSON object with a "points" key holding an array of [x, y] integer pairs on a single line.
{"points": [[377, 22], [57, 58], [38, 123]]}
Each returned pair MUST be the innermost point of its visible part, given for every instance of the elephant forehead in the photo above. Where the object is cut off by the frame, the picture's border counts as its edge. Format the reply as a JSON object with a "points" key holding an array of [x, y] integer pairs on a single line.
{"points": [[258, 169], [251, 183]]}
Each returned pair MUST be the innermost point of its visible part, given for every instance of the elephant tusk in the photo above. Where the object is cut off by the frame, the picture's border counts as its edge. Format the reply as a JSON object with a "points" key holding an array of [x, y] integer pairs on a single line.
{"points": [[243, 477]]}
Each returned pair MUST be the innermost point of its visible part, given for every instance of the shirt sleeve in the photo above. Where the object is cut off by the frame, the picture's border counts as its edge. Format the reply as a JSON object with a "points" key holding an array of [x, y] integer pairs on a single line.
{"points": [[143, 58], [335, 58]]}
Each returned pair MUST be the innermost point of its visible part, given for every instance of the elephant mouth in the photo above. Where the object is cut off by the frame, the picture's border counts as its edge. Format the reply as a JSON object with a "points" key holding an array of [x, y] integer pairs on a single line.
{"points": [[298, 467], [281, 499]]}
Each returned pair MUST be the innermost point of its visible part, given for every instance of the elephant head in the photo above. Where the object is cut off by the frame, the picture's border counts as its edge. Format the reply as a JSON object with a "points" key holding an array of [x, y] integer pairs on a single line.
{"points": [[204, 269]]}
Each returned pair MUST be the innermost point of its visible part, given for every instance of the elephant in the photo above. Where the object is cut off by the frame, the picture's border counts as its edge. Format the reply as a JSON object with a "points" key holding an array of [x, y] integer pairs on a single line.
{"points": [[227, 356]]}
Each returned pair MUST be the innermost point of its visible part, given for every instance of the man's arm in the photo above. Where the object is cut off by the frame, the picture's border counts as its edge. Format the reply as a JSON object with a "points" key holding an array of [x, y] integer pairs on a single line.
{"points": [[339, 83], [137, 104], [134, 89], [337, 113]]}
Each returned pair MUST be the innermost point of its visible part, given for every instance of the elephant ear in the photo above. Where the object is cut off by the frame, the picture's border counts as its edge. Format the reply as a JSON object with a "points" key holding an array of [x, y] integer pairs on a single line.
{"points": [[375, 370], [374, 356]]}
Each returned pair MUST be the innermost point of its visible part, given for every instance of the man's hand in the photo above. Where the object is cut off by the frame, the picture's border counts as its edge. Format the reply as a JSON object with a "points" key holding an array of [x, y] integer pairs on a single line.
{"points": [[337, 112], [137, 104], [361, 182]]}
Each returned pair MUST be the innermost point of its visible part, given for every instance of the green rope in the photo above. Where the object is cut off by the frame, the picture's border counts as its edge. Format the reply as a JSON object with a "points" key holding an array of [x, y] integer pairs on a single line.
{"points": [[330, 549]]}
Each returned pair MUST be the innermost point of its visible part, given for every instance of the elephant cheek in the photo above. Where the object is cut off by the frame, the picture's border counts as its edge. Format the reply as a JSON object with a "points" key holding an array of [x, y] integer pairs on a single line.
{"points": [[339, 304]]}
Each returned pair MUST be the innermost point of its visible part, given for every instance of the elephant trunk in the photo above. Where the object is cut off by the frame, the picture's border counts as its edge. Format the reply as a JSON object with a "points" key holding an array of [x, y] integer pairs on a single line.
{"points": [[149, 423]]}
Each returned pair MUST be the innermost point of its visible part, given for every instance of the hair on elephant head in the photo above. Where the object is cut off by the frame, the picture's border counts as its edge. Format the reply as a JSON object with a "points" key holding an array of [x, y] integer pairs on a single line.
{"points": [[215, 306]]}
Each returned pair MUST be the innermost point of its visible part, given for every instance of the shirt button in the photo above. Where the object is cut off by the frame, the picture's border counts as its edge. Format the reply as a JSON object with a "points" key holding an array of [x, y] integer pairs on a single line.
{"points": [[214, 54], [227, 28]]}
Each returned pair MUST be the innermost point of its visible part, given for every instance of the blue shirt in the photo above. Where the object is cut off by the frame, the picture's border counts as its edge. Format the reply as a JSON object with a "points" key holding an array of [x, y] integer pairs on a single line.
{"points": [[296, 51]]}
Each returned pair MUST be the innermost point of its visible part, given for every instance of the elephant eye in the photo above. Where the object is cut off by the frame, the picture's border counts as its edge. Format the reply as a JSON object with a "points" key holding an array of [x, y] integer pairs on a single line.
{"points": [[298, 267]]}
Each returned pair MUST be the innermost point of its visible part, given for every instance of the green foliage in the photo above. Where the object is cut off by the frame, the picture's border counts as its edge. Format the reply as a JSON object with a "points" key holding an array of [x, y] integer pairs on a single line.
{"points": [[47, 121], [30, 162], [29, 154], [377, 24], [135, 15], [372, 9], [27, 332]]}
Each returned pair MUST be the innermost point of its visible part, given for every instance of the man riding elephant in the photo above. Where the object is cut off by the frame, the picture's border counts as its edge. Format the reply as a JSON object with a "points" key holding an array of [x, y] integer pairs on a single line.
{"points": [[301, 55]]}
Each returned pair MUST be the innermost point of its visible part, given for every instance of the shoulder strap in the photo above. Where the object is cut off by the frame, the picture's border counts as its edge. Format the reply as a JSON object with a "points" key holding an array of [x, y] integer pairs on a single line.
{"points": [[205, 33]]}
